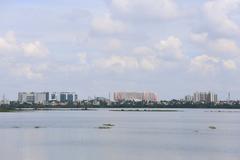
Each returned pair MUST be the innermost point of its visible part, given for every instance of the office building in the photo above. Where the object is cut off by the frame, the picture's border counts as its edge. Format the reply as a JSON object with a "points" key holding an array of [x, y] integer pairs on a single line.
{"points": [[26, 97], [63, 97], [46, 97], [41, 97]]}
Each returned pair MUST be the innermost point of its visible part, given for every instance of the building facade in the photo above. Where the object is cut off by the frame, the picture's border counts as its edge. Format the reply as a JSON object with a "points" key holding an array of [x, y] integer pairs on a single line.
{"points": [[188, 98], [208, 97], [26, 97], [41, 97], [46, 97], [63, 97], [134, 96]]}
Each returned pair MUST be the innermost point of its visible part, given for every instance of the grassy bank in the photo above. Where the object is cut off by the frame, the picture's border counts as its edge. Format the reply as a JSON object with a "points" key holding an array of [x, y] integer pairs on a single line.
{"points": [[7, 109]]}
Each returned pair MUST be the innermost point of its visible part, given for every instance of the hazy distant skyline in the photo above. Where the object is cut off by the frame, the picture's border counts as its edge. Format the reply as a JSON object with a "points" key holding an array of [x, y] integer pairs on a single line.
{"points": [[94, 47]]}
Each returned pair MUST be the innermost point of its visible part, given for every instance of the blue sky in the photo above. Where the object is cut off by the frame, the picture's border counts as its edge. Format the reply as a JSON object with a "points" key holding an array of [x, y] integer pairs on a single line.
{"points": [[95, 47]]}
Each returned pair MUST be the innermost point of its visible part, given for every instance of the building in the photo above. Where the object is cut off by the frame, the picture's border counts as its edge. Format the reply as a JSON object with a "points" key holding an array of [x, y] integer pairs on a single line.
{"points": [[63, 97], [4, 101], [101, 100], [188, 98], [134, 96], [208, 97], [149, 96], [68, 97], [212, 97], [54, 96], [26, 97], [41, 97], [46, 97]]}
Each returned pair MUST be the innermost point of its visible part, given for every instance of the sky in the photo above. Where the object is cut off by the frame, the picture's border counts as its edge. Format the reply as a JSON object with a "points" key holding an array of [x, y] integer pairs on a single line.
{"points": [[96, 47]]}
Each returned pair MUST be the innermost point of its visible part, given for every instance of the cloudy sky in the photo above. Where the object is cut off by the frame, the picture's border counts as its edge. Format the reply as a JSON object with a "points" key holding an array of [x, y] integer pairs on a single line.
{"points": [[95, 47]]}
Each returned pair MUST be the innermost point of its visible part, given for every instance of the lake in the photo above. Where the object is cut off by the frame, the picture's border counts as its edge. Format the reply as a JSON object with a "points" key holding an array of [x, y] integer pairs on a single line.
{"points": [[74, 135]]}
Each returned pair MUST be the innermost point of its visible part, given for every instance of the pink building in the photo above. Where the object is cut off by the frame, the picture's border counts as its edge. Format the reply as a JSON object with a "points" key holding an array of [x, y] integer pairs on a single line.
{"points": [[136, 96]]}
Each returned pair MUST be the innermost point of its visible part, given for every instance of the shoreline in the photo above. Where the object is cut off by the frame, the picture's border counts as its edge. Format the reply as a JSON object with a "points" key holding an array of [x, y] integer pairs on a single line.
{"points": [[118, 109]]}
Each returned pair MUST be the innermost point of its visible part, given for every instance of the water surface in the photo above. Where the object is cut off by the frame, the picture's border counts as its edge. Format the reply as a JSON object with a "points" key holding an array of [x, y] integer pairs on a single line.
{"points": [[75, 135]]}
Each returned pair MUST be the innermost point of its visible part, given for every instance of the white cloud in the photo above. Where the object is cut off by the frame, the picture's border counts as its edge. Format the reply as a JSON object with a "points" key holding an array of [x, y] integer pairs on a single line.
{"points": [[81, 64], [227, 46], [204, 64], [8, 43], [149, 63], [142, 50], [118, 63], [163, 9], [26, 71], [219, 13], [127, 63], [208, 64], [229, 64], [82, 58], [13, 52], [68, 68], [105, 24], [199, 37], [112, 45], [10, 37], [224, 47], [166, 54], [34, 49], [170, 49]]}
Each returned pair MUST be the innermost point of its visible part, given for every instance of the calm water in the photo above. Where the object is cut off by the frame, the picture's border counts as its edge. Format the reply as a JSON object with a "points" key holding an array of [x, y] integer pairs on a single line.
{"points": [[73, 135]]}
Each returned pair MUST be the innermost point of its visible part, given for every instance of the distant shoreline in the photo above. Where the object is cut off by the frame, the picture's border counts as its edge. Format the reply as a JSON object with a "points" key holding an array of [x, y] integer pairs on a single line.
{"points": [[112, 108]]}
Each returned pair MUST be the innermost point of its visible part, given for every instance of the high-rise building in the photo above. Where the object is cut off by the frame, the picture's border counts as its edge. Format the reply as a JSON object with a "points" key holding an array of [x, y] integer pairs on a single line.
{"points": [[45, 97], [205, 97], [41, 97], [26, 97], [54, 96], [63, 96], [188, 98], [136, 96]]}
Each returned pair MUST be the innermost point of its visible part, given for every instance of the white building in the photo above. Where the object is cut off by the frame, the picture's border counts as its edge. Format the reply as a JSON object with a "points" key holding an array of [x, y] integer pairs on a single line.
{"points": [[46, 97], [26, 97], [205, 97], [54, 96], [188, 98], [41, 97], [4, 101]]}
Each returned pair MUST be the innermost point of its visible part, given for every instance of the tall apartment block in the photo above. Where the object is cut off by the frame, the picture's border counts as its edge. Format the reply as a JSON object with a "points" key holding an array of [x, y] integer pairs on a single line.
{"points": [[205, 97]]}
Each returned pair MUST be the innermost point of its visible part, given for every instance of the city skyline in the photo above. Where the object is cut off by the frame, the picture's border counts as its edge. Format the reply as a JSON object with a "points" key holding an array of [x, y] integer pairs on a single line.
{"points": [[172, 48], [225, 96], [208, 96], [63, 97]]}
